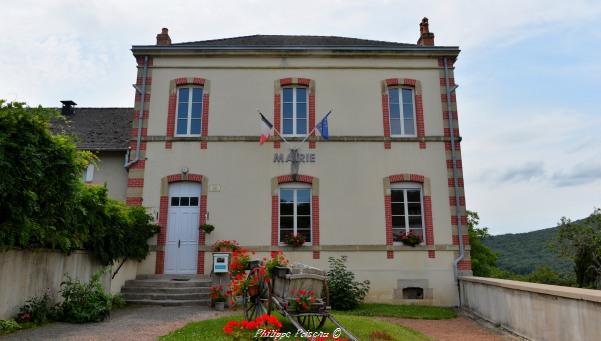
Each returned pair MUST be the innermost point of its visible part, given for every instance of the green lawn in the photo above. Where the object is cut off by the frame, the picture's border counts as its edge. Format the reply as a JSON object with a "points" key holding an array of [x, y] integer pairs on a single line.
{"points": [[403, 311], [363, 327]]}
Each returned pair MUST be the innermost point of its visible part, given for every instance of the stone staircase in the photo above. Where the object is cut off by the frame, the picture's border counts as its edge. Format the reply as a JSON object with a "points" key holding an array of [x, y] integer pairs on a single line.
{"points": [[167, 290]]}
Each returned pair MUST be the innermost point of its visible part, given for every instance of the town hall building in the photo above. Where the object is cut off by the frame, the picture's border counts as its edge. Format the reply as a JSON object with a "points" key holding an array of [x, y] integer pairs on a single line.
{"points": [[390, 164]]}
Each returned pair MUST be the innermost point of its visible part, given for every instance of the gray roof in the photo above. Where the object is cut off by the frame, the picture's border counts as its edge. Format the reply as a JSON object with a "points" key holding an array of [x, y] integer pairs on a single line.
{"points": [[98, 128], [258, 40], [293, 43]]}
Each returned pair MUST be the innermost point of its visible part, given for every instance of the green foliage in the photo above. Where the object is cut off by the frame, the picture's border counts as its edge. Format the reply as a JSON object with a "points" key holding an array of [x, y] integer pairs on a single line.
{"points": [[84, 302], [118, 301], [345, 292], [484, 260], [523, 253], [52, 208], [39, 180], [38, 309], [542, 274], [117, 231], [207, 228], [581, 242], [8, 326], [422, 312]]}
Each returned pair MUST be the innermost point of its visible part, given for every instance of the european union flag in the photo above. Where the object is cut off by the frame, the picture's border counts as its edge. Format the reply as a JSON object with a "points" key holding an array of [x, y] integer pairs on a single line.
{"points": [[322, 126]]}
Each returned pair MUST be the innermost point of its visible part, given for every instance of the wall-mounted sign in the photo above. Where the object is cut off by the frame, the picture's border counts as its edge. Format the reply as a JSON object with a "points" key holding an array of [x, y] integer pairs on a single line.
{"points": [[294, 156]]}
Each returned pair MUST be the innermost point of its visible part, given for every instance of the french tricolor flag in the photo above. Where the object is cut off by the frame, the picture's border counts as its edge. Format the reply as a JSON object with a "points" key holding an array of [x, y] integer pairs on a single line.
{"points": [[266, 129]]}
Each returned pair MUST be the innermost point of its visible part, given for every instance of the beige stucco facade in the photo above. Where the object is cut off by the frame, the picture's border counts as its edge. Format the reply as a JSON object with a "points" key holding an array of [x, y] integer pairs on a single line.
{"points": [[109, 170], [239, 172]]}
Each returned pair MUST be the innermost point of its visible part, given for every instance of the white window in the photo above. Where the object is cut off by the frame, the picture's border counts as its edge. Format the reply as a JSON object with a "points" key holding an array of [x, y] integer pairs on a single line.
{"points": [[406, 209], [295, 211], [88, 174], [189, 111], [401, 106], [294, 111]]}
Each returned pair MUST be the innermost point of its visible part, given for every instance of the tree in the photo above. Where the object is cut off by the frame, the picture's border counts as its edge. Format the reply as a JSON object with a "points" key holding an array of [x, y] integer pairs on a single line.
{"points": [[581, 241], [484, 260], [39, 179]]}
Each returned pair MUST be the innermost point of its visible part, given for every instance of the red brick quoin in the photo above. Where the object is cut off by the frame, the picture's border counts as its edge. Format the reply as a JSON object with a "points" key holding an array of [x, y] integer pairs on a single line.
{"points": [[275, 206], [427, 210], [171, 107], [164, 214]]}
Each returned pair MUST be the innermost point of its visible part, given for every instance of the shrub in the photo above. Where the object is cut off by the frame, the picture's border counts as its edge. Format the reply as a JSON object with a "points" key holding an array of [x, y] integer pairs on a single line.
{"points": [[8, 326], [345, 292], [84, 302], [35, 205], [117, 301], [116, 231], [38, 309]]}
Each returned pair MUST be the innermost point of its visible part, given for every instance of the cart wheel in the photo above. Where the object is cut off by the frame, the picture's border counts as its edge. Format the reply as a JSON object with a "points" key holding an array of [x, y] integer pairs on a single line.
{"points": [[312, 322], [255, 306]]}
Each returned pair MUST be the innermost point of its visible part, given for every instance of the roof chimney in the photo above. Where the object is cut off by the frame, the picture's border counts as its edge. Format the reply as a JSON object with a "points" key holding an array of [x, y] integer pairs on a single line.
{"points": [[67, 108], [163, 37], [426, 38]]}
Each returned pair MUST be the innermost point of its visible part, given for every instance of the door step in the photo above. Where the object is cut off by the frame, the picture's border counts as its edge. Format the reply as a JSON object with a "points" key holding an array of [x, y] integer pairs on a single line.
{"points": [[167, 290]]}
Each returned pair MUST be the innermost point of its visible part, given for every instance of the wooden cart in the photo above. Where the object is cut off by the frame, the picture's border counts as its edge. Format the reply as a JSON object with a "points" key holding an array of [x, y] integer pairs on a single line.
{"points": [[276, 293]]}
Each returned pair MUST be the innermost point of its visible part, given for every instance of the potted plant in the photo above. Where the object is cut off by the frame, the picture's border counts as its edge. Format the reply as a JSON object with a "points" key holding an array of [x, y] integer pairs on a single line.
{"points": [[276, 265], [410, 239], [295, 240], [207, 228], [303, 301], [225, 246], [218, 298]]}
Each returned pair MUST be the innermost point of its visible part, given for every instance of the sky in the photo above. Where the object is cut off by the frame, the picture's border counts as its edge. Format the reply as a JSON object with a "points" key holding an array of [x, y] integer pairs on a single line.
{"points": [[529, 75]]}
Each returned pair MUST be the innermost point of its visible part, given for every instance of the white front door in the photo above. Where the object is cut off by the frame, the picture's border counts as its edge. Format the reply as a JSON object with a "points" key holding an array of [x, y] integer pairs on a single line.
{"points": [[181, 248]]}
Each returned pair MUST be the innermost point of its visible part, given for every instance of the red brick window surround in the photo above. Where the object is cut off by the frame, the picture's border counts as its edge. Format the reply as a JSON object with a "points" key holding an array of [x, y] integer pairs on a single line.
{"points": [[417, 103], [426, 209], [174, 85], [276, 183], [164, 214], [277, 105]]}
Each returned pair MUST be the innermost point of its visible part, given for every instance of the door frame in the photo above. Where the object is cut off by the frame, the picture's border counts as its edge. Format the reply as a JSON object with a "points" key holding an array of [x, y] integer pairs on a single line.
{"points": [[164, 214]]}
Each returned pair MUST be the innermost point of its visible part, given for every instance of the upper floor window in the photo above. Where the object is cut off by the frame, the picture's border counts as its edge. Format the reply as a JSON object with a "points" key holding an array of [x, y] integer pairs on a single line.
{"points": [[295, 212], [406, 208], [294, 111], [189, 111], [88, 173], [402, 111]]}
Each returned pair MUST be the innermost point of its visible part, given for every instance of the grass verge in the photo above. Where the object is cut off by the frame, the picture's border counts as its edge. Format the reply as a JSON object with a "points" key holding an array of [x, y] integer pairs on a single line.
{"points": [[365, 328], [403, 311]]}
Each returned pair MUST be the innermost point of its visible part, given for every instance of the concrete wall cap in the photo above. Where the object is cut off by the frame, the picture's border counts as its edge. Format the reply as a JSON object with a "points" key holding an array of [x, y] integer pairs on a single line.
{"points": [[553, 290]]}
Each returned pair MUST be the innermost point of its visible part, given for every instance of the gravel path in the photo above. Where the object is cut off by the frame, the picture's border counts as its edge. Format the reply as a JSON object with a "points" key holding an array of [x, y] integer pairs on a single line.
{"points": [[457, 329], [131, 323]]}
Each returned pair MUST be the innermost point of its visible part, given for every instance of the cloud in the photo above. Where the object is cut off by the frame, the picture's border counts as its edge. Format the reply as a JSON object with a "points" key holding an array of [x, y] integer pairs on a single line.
{"points": [[525, 172], [577, 175]]}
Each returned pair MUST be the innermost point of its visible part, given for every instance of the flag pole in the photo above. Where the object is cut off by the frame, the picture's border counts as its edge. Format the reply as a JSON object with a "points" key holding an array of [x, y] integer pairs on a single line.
{"points": [[313, 130], [276, 130]]}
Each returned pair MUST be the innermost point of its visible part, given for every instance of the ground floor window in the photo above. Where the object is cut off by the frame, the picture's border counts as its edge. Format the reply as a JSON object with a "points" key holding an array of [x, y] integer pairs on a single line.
{"points": [[295, 212], [406, 207]]}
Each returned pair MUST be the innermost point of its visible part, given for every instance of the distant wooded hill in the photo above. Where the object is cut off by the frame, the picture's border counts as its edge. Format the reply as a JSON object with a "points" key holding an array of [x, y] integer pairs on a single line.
{"points": [[522, 253]]}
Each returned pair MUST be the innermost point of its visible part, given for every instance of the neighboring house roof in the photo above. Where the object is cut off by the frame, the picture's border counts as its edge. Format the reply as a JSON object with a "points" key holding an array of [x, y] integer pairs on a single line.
{"points": [[294, 43], [98, 129]]}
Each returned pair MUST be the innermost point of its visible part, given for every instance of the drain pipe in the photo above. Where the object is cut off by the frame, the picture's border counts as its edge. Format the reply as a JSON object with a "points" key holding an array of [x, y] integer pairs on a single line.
{"points": [[455, 177], [142, 93]]}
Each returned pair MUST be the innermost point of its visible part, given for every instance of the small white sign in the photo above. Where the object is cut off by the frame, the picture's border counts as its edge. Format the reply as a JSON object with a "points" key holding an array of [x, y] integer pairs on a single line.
{"points": [[214, 188]]}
